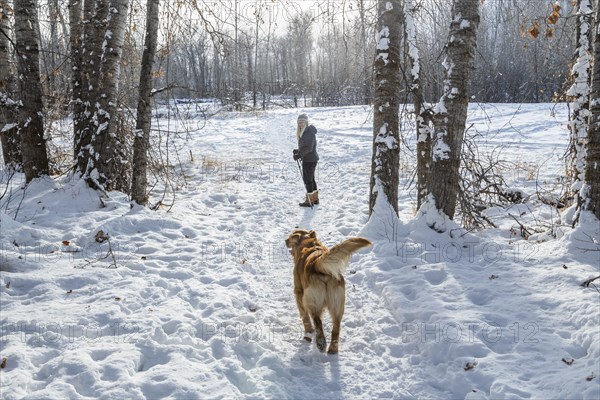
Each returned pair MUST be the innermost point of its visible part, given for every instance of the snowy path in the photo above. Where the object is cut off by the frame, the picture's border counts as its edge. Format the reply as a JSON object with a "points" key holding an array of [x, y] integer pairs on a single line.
{"points": [[280, 364]]}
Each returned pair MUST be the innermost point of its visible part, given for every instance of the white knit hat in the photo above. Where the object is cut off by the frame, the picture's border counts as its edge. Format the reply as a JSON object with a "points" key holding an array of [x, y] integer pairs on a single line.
{"points": [[299, 131]]}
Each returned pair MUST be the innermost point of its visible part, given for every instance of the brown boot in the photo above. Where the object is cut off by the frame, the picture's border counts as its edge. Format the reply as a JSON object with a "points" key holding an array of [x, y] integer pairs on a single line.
{"points": [[307, 201], [314, 197]]}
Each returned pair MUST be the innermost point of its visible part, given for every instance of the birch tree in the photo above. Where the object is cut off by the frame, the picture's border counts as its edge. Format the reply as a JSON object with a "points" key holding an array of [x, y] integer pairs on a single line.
{"points": [[590, 191], [451, 111], [141, 142], [76, 36], [31, 109], [386, 137], [579, 93], [81, 14], [423, 112], [101, 148], [11, 146]]}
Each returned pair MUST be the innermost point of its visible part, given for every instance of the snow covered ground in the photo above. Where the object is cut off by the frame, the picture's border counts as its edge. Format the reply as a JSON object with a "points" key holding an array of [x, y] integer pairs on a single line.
{"points": [[195, 300]]}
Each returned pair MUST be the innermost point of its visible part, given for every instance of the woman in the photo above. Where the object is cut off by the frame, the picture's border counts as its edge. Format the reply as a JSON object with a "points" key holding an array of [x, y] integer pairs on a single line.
{"points": [[307, 152]]}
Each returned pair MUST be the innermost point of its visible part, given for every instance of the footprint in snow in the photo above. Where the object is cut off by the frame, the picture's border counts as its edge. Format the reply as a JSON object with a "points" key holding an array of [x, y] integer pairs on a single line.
{"points": [[436, 277], [479, 297]]}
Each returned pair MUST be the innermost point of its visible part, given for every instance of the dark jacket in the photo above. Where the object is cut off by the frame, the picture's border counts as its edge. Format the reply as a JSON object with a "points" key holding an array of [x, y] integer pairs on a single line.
{"points": [[307, 145]]}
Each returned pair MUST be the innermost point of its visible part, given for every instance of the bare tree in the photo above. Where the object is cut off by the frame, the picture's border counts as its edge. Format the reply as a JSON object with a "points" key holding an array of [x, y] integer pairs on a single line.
{"points": [[83, 56], [299, 43], [141, 142], [249, 54], [366, 76], [591, 189], [101, 147], [451, 112], [253, 66], [422, 112], [580, 95], [11, 143], [76, 36], [109, 142], [386, 137], [52, 60], [31, 110]]}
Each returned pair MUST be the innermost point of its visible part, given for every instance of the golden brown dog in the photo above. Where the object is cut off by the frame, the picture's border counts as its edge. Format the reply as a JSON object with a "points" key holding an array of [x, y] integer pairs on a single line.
{"points": [[318, 282]]}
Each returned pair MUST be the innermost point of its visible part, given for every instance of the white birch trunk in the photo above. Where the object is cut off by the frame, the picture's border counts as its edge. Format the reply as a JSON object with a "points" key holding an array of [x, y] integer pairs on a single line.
{"points": [[580, 95], [9, 137], [451, 112], [423, 112], [102, 149], [590, 192], [386, 137], [31, 110]]}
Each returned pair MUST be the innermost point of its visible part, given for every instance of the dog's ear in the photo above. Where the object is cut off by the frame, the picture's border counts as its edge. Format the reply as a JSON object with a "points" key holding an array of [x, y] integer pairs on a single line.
{"points": [[312, 234]]}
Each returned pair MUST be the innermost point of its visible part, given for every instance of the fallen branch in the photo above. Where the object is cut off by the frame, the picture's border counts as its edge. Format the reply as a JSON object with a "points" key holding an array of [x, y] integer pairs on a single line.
{"points": [[524, 232], [110, 253], [589, 281]]}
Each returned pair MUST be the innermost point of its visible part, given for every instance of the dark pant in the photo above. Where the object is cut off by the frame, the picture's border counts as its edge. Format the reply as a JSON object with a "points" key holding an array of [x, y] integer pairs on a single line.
{"points": [[308, 176]]}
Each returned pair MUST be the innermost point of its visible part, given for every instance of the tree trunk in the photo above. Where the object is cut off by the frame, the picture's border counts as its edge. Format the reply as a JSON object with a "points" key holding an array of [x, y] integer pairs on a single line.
{"points": [[101, 158], [31, 122], [235, 73], [386, 136], [83, 59], [9, 134], [580, 95], [591, 189], [109, 143], [254, 76], [141, 142], [423, 113], [53, 63], [451, 112], [76, 27], [366, 86]]}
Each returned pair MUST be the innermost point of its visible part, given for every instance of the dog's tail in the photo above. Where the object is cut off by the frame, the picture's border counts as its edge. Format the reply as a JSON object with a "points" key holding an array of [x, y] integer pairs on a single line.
{"points": [[336, 261]]}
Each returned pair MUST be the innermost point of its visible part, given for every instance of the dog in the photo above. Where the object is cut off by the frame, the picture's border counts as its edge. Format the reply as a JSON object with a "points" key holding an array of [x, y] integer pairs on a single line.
{"points": [[319, 283]]}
